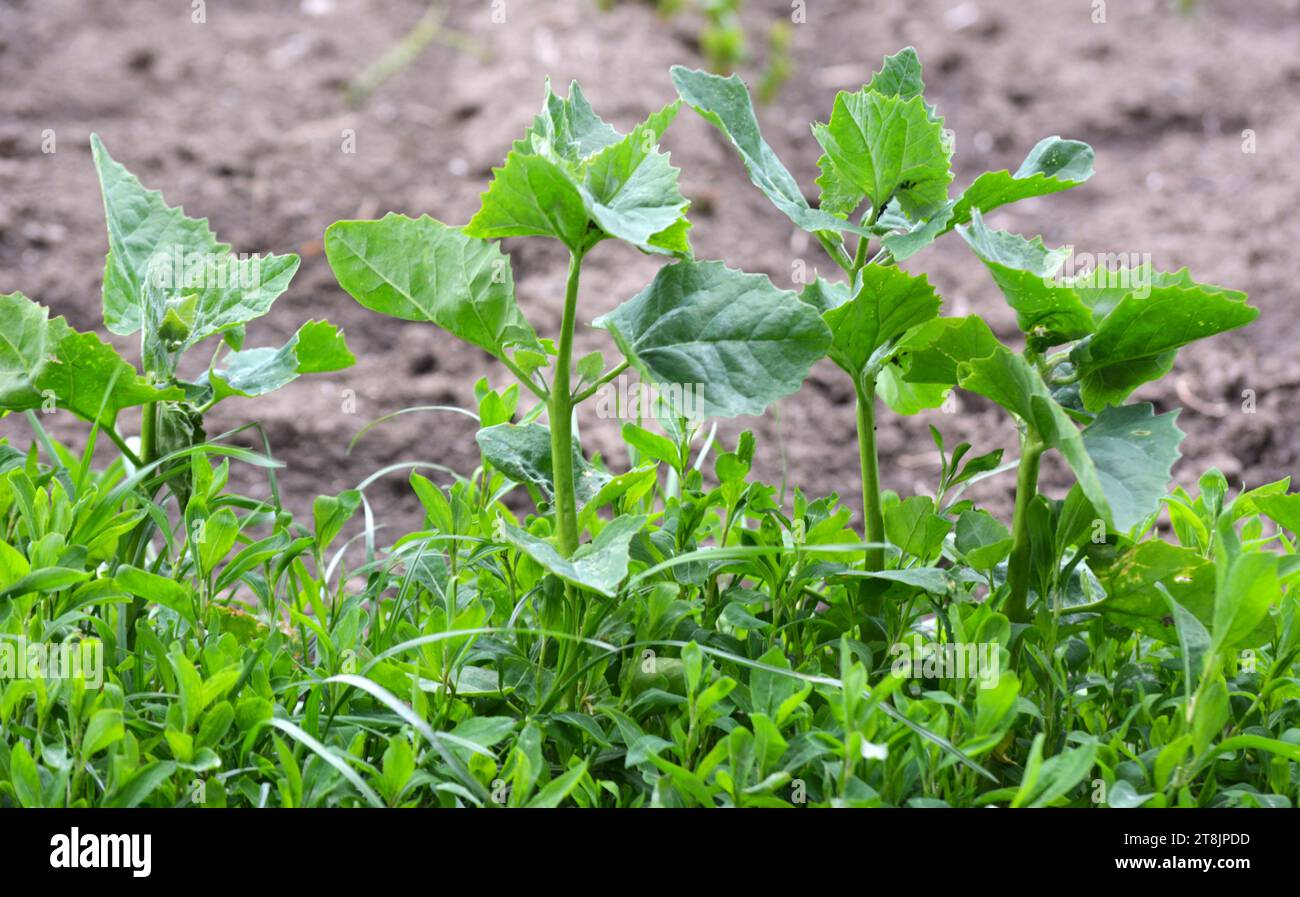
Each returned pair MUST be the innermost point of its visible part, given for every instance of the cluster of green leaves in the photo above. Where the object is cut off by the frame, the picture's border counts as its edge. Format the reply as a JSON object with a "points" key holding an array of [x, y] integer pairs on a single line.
{"points": [[723, 655], [168, 278], [671, 631], [1088, 341]]}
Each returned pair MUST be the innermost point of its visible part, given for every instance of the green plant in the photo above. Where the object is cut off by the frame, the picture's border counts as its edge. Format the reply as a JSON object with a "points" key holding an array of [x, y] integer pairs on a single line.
{"points": [[679, 633], [574, 179], [1089, 340]]}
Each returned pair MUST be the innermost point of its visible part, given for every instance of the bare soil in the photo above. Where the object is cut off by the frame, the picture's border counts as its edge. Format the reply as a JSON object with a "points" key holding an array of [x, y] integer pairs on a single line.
{"points": [[242, 118]]}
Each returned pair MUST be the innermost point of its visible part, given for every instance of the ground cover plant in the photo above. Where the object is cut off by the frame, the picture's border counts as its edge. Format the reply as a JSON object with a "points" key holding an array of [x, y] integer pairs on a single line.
{"points": [[660, 630]]}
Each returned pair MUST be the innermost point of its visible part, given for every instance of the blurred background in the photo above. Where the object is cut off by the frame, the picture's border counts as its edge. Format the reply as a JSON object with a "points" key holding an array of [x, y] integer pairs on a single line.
{"points": [[241, 110]]}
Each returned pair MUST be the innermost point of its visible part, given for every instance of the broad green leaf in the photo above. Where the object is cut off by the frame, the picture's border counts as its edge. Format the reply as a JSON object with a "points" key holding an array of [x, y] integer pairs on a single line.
{"points": [[995, 708], [1284, 510], [935, 580], [1209, 713], [1141, 581], [25, 777], [725, 103], [523, 453], [702, 325], [159, 589], [104, 729], [899, 76], [317, 347], [1246, 586], [906, 237], [572, 170], [215, 537], [532, 196], [1012, 382], [651, 445], [1057, 777], [156, 255], [398, 767], [24, 351], [1136, 340], [142, 784], [1123, 796], [45, 581], [886, 304], [982, 539], [43, 359], [880, 148], [825, 295], [632, 194], [419, 269], [905, 397], [567, 130], [913, 525], [555, 791], [599, 565], [1027, 273], [1052, 165], [935, 351], [1193, 639], [331, 512], [142, 228], [1133, 450]]}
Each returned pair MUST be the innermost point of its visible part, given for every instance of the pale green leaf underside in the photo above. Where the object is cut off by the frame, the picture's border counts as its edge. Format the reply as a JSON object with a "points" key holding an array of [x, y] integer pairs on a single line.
{"points": [[317, 347], [1053, 165], [702, 325], [1133, 450], [1026, 272], [1008, 379], [157, 253], [725, 103], [599, 565], [934, 352], [523, 453], [572, 172]]}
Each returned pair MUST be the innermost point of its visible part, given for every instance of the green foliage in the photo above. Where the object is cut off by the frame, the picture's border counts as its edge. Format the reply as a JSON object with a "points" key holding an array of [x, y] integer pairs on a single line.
{"points": [[564, 631]]}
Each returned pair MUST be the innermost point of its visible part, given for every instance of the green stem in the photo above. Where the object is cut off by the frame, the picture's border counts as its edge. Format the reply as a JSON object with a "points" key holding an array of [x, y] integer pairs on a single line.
{"points": [[149, 433], [835, 249], [1018, 565], [605, 378], [873, 519], [561, 418], [125, 449]]}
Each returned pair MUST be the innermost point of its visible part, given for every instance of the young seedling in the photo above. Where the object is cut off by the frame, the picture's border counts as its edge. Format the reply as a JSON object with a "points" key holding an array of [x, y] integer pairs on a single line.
{"points": [[886, 149], [169, 279], [573, 178]]}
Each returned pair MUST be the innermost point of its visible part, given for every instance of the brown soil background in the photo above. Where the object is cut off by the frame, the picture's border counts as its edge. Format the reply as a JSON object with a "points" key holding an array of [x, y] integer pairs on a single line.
{"points": [[241, 118]]}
